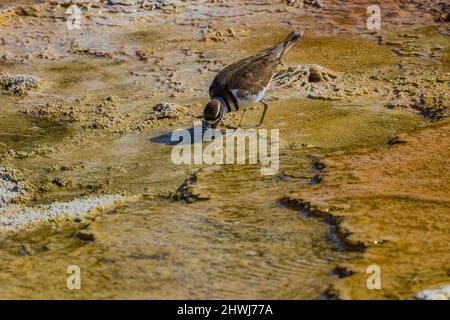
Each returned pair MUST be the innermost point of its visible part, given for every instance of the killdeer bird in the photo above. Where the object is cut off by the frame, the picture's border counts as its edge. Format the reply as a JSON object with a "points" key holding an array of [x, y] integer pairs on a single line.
{"points": [[245, 82]]}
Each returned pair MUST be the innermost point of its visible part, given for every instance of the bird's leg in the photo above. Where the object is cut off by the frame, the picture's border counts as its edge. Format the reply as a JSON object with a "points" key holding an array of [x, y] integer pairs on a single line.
{"points": [[242, 117], [265, 105]]}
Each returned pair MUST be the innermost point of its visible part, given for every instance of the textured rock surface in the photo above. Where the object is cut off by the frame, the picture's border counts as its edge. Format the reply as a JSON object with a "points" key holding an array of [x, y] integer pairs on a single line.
{"points": [[18, 218], [18, 84], [442, 293]]}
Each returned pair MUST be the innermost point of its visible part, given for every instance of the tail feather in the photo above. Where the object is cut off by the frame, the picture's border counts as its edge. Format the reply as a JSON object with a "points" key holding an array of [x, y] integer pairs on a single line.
{"points": [[292, 38], [288, 42]]}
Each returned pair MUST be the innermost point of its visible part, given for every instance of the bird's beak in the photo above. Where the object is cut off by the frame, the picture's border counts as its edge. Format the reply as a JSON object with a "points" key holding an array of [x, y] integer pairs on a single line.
{"points": [[214, 125], [208, 125]]}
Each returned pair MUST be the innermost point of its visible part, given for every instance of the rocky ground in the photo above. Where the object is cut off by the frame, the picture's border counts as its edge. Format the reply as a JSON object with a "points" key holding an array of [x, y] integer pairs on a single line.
{"points": [[366, 149]]}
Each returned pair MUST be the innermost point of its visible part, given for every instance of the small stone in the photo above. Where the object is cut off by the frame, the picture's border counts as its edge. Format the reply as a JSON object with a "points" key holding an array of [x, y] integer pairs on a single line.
{"points": [[251, 253], [169, 110], [85, 236], [62, 182]]}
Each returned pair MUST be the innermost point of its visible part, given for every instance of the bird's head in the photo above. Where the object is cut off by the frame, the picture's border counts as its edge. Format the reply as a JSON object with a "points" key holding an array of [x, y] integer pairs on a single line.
{"points": [[214, 112]]}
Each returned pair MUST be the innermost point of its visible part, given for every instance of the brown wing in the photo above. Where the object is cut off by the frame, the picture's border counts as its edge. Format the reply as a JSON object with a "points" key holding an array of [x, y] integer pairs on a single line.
{"points": [[249, 75], [253, 74]]}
